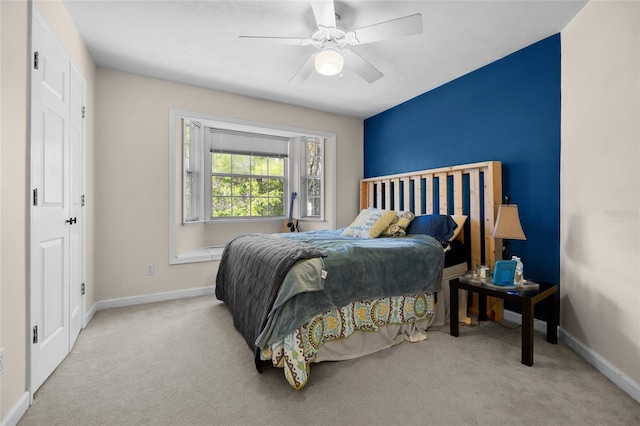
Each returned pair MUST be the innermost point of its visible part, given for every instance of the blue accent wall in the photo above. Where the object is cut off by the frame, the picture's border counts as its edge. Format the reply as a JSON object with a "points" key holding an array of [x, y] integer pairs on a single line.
{"points": [[507, 111]]}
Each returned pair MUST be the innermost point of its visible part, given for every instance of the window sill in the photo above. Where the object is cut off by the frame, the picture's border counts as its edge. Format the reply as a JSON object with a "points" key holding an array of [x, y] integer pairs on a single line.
{"points": [[204, 254]]}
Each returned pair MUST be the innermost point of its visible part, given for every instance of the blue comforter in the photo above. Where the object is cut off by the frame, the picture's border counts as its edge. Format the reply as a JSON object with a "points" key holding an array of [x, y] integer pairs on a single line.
{"points": [[352, 269]]}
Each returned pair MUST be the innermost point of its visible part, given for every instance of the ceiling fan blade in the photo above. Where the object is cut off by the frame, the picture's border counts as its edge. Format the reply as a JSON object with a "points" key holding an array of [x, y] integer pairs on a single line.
{"points": [[294, 41], [325, 13], [400, 27], [305, 70], [363, 68]]}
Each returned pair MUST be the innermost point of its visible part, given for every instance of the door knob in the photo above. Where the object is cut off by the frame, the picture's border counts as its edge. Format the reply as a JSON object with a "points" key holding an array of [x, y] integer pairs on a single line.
{"points": [[71, 221]]}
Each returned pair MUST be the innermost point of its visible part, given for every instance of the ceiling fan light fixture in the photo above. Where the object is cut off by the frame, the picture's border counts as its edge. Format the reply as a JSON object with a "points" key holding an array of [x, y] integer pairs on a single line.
{"points": [[329, 62]]}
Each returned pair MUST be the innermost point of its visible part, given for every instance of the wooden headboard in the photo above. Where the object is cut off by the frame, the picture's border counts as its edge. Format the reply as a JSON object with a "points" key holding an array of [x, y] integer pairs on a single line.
{"points": [[426, 190]]}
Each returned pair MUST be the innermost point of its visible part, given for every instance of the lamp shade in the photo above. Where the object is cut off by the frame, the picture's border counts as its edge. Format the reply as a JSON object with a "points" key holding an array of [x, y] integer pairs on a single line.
{"points": [[329, 62], [508, 223]]}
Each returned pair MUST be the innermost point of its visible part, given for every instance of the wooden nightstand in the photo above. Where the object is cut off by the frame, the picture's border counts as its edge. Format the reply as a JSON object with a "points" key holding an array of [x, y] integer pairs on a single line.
{"points": [[527, 298]]}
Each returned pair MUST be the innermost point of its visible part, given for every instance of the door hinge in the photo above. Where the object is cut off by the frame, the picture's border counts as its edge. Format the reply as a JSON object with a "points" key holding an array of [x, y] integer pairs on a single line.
{"points": [[82, 201], [82, 289], [35, 334], [82, 112], [35, 60], [35, 196]]}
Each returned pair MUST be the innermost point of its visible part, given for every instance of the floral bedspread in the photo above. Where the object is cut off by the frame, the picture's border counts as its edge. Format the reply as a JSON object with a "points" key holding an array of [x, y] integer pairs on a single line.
{"points": [[297, 350]]}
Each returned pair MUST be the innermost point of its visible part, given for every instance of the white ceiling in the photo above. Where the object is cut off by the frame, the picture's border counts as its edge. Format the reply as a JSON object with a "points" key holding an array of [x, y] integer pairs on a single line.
{"points": [[196, 42]]}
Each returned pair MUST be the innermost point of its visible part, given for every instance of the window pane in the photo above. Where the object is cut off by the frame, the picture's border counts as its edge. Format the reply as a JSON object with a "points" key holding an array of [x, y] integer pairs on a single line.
{"points": [[275, 207], [241, 186], [259, 187], [313, 187], [312, 179], [187, 147], [240, 206], [276, 187], [221, 206], [276, 166], [242, 190], [191, 171], [260, 206], [313, 206], [220, 185], [187, 195], [220, 163], [259, 166], [314, 157], [241, 164]]}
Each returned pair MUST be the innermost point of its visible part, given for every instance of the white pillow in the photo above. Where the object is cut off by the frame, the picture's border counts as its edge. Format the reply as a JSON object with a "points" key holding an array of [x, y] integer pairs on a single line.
{"points": [[370, 223], [460, 219]]}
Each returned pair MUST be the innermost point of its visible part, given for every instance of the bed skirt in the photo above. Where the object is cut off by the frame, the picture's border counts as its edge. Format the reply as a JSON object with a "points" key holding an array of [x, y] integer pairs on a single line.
{"points": [[443, 306], [399, 318]]}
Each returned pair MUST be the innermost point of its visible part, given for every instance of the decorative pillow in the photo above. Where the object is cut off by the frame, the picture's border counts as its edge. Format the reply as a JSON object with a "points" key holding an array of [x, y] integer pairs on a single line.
{"points": [[370, 223], [440, 226], [460, 219], [399, 224]]}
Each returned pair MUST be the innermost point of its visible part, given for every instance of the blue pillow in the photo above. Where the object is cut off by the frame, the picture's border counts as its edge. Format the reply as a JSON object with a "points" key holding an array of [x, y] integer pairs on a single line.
{"points": [[440, 226]]}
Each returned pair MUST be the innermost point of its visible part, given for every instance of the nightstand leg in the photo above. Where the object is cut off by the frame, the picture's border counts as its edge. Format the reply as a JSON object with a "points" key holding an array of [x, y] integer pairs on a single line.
{"points": [[454, 327], [527, 334], [482, 307], [552, 320]]}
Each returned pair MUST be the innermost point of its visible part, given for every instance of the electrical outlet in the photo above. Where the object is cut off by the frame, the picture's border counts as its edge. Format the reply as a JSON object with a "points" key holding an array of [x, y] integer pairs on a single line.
{"points": [[150, 268], [1, 360]]}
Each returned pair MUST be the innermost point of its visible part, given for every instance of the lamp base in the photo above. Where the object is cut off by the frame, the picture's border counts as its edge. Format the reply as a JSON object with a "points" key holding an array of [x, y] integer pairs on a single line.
{"points": [[505, 250]]}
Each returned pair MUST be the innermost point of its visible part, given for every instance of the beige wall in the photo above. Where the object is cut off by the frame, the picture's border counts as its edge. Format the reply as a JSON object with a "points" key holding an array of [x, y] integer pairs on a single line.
{"points": [[600, 182], [14, 177], [132, 175]]}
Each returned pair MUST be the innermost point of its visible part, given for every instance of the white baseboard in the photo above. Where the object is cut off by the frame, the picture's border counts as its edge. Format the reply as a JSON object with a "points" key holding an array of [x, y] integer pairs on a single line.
{"points": [[18, 410], [156, 297], [89, 315], [620, 379], [516, 318]]}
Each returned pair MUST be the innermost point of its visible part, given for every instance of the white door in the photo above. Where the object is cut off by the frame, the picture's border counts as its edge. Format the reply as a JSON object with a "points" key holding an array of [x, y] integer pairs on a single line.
{"points": [[56, 248]]}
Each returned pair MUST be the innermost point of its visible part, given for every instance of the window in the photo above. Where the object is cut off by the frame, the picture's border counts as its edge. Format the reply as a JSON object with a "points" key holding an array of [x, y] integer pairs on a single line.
{"points": [[311, 174], [190, 170], [229, 176], [246, 174]]}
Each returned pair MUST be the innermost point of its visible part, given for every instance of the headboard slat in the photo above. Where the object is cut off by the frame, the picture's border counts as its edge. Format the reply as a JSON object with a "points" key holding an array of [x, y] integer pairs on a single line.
{"points": [[457, 192], [417, 195], [474, 216], [428, 205], [396, 194]]}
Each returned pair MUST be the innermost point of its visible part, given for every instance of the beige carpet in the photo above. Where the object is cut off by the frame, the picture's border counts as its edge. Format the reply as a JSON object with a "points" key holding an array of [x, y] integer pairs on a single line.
{"points": [[182, 363]]}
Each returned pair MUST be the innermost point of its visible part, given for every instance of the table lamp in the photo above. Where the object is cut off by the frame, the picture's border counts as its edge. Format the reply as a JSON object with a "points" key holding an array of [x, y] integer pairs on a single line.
{"points": [[508, 226]]}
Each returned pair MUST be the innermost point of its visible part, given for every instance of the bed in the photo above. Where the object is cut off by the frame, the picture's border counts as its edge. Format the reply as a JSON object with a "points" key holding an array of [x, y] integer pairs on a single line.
{"points": [[300, 298]]}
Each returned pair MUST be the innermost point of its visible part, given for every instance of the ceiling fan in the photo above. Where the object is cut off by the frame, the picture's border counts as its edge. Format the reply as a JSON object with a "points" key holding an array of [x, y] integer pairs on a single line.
{"points": [[331, 41]]}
